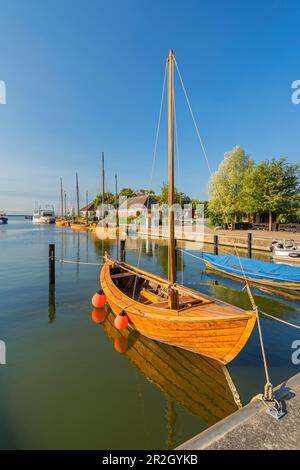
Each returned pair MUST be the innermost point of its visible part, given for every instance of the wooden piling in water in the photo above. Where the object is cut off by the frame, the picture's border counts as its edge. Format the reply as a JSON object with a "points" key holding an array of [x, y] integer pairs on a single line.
{"points": [[51, 264], [216, 243], [249, 245], [122, 251]]}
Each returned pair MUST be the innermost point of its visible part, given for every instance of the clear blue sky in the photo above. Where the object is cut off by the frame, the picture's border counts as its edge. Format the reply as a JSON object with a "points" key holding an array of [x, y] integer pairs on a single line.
{"points": [[86, 76]]}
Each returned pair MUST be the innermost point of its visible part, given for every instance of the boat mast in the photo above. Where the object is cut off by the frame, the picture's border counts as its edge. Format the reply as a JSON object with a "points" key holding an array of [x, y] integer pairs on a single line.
{"points": [[65, 194], [77, 194], [173, 300], [61, 199], [103, 184], [87, 210], [117, 202]]}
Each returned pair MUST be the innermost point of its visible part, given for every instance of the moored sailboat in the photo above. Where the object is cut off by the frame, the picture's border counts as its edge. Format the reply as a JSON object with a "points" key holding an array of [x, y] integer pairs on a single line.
{"points": [[78, 224], [104, 229], [61, 221], [166, 311]]}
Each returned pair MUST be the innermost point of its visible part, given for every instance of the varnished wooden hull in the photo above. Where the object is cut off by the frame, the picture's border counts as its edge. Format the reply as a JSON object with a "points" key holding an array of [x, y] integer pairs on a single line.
{"points": [[62, 223], [201, 386], [79, 226], [220, 337], [93, 226]]}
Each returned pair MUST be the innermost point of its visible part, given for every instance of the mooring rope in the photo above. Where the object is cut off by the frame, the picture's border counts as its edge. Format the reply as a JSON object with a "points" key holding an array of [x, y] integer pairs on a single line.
{"points": [[77, 262], [188, 253], [280, 320]]}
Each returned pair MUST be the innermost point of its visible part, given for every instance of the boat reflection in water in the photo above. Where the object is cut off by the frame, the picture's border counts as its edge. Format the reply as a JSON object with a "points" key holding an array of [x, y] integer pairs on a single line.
{"points": [[111, 233], [202, 386]]}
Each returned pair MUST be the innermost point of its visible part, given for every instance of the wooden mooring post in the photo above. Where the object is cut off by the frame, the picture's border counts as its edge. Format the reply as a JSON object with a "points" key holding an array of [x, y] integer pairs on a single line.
{"points": [[216, 245], [249, 244], [122, 251], [51, 264]]}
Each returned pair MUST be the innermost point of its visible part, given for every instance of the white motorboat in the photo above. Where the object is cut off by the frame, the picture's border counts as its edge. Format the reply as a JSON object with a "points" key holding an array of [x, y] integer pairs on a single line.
{"points": [[45, 215], [285, 249], [3, 218]]}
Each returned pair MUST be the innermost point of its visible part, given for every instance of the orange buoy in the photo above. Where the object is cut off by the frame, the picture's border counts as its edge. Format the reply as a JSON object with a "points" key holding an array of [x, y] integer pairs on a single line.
{"points": [[98, 315], [121, 320], [99, 299], [121, 344]]}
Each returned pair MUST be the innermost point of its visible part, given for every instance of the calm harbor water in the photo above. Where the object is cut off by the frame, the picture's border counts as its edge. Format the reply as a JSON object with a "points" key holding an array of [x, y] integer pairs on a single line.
{"points": [[66, 386]]}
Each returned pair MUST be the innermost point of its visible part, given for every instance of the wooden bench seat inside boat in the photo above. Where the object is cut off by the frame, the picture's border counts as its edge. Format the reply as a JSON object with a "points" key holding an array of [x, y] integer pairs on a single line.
{"points": [[151, 296], [158, 301], [120, 275]]}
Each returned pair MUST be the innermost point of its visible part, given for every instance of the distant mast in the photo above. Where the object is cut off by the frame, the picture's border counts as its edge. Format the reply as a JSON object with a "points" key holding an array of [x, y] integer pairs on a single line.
{"points": [[103, 184], [117, 202], [65, 194], [61, 199], [87, 209], [173, 299], [77, 194]]}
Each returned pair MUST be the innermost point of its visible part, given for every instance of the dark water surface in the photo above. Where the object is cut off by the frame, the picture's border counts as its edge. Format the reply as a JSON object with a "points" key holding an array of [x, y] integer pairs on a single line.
{"points": [[65, 385]]}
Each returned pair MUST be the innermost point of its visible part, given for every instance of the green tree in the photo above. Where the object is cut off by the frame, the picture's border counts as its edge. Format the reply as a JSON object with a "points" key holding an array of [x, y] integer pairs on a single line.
{"points": [[109, 198], [272, 186], [144, 192], [196, 202], [179, 197], [127, 192], [226, 186]]}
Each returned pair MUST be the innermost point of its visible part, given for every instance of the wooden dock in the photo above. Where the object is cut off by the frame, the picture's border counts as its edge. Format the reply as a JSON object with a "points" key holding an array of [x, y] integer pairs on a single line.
{"points": [[253, 427], [261, 240]]}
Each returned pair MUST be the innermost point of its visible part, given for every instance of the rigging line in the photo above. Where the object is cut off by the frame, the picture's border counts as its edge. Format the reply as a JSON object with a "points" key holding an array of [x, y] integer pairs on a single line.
{"points": [[154, 155], [268, 387], [211, 173], [178, 164], [190, 254], [193, 117]]}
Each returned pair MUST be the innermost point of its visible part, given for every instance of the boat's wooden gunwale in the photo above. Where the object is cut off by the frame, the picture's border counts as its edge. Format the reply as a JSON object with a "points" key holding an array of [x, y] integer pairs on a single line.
{"points": [[219, 337], [143, 310], [181, 290]]}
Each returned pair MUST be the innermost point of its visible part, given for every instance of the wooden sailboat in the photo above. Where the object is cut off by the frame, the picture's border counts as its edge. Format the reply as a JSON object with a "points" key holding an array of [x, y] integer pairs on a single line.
{"points": [[61, 221], [169, 312], [104, 230], [101, 228], [78, 224]]}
